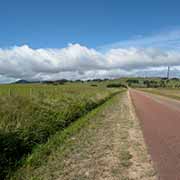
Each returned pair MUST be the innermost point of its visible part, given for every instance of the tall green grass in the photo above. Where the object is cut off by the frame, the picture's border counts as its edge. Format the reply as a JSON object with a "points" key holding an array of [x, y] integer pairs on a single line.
{"points": [[29, 119]]}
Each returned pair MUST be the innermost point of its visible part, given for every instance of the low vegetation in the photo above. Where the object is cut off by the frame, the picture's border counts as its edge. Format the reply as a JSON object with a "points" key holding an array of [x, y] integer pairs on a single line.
{"points": [[172, 93]]}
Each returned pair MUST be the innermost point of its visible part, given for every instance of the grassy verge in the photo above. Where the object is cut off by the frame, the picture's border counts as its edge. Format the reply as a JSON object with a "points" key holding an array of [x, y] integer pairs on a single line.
{"points": [[171, 93], [96, 146], [41, 153]]}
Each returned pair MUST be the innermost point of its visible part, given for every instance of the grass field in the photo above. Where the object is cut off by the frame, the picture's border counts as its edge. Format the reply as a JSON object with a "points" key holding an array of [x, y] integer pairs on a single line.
{"points": [[31, 114], [168, 92]]}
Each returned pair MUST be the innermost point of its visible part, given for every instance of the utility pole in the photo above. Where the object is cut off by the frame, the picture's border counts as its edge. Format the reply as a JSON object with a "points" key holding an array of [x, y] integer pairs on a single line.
{"points": [[168, 72]]}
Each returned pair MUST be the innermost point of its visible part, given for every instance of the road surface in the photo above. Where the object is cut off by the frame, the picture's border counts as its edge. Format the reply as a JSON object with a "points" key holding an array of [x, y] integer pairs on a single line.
{"points": [[160, 120]]}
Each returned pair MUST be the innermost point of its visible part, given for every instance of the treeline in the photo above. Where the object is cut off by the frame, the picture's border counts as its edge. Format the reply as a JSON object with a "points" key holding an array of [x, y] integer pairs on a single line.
{"points": [[154, 83], [60, 81]]}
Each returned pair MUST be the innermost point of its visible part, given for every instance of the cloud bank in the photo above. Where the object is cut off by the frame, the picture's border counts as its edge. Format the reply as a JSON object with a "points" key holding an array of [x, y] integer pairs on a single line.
{"points": [[144, 56], [79, 62]]}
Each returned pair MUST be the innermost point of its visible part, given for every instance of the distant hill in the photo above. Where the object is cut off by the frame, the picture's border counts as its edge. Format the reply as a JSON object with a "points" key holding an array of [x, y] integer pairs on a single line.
{"points": [[21, 81], [61, 81]]}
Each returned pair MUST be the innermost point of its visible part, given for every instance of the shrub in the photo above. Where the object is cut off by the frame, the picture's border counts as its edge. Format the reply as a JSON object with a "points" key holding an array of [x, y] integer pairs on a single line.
{"points": [[94, 85], [116, 85], [11, 150]]}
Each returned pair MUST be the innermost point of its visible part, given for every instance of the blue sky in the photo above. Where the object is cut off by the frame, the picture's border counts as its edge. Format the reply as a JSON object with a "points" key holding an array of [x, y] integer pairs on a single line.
{"points": [[43, 39], [94, 23]]}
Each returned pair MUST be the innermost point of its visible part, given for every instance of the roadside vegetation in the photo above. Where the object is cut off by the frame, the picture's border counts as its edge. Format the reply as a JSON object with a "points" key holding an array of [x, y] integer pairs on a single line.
{"points": [[168, 92], [107, 143], [31, 114]]}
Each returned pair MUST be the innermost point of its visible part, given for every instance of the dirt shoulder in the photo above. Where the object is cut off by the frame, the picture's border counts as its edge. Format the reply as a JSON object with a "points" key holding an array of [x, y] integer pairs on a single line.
{"points": [[110, 147]]}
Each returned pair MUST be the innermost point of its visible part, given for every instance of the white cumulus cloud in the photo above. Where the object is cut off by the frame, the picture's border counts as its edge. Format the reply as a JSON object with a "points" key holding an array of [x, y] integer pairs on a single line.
{"points": [[80, 62]]}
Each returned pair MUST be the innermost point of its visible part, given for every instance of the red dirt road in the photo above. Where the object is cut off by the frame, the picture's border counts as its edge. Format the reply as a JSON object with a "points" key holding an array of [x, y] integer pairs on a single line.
{"points": [[161, 128]]}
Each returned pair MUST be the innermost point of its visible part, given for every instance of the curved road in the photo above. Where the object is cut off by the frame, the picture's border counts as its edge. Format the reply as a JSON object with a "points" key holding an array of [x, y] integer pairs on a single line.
{"points": [[160, 120]]}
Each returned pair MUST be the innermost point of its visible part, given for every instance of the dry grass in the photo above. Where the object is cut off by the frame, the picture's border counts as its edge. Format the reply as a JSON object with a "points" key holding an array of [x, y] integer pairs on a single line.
{"points": [[172, 93], [109, 147]]}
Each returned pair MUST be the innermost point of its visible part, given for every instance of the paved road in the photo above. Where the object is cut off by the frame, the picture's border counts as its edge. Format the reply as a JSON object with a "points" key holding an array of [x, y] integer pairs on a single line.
{"points": [[160, 119]]}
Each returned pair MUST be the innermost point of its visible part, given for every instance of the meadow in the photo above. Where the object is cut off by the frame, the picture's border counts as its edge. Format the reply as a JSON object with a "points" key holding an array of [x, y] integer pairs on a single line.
{"points": [[32, 113], [168, 92]]}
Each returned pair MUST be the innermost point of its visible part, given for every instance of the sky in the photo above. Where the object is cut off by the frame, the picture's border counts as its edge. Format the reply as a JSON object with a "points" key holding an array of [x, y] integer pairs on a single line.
{"points": [[82, 39]]}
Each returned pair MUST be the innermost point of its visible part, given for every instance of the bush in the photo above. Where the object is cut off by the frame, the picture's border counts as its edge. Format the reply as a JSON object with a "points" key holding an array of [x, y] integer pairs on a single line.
{"points": [[11, 150], [115, 85], [94, 85]]}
